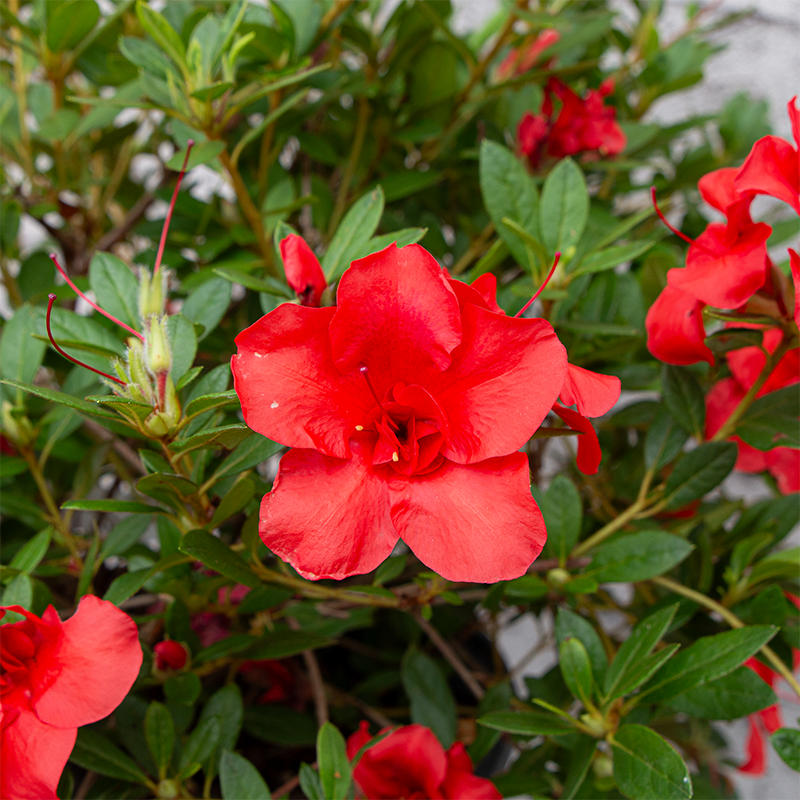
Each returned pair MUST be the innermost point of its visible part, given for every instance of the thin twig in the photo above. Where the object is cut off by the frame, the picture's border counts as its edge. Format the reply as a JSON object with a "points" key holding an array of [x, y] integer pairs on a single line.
{"points": [[315, 677], [376, 716], [451, 656]]}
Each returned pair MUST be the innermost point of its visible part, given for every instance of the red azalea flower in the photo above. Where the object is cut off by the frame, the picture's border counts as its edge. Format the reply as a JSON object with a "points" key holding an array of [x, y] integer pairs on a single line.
{"points": [[675, 332], [170, 655], [583, 125], [303, 271], [773, 166], [514, 64], [405, 407], [411, 763], [783, 463], [56, 677]]}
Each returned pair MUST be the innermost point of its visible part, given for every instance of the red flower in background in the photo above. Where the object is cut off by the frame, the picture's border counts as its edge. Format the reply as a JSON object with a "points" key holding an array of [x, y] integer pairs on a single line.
{"points": [[56, 677], [170, 655], [783, 463], [411, 763], [583, 125], [405, 407], [520, 59], [303, 271]]}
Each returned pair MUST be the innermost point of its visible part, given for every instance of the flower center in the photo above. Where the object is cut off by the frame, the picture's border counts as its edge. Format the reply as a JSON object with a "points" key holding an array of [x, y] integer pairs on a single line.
{"points": [[411, 429], [16, 651]]}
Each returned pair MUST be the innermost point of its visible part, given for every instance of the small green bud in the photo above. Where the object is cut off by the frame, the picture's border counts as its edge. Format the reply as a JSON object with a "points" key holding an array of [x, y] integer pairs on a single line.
{"points": [[558, 577], [603, 767], [172, 406], [16, 425], [167, 789], [595, 723], [139, 377], [152, 292], [157, 352], [157, 424]]}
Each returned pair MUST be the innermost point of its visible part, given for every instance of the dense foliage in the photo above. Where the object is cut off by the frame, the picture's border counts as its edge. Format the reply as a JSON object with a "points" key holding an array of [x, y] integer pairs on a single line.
{"points": [[326, 131]]}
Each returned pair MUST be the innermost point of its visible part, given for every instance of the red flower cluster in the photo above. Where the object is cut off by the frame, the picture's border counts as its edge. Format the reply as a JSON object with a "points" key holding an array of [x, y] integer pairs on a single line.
{"points": [[583, 125], [520, 59], [783, 463], [411, 763], [405, 407], [56, 677]]}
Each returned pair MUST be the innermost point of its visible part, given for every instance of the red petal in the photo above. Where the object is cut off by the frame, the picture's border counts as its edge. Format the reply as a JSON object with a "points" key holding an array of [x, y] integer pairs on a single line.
{"points": [[32, 755], [476, 523], [772, 168], [721, 274], [486, 286], [717, 188], [467, 294], [396, 314], [409, 762], [754, 748], [303, 272], [723, 398], [88, 671], [784, 465], [358, 739], [594, 394], [460, 783], [675, 330], [505, 377], [589, 453], [771, 717], [288, 385], [794, 261], [328, 517]]}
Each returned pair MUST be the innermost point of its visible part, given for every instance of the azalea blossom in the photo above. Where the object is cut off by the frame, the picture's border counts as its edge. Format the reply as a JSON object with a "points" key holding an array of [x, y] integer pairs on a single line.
{"points": [[520, 59], [56, 677], [583, 125], [405, 407], [411, 763]]}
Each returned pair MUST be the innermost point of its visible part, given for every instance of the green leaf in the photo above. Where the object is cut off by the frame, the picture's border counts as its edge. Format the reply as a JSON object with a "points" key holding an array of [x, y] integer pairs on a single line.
{"points": [[401, 238], [310, 783], [392, 568], [226, 707], [643, 670], [201, 743], [684, 399], [165, 35], [202, 153], [611, 257], [564, 209], [646, 766], [95, 752], [710, 657], [579, 764], [215, 554], [253, 450], [527, 723], [19, 592], [353, 233], [159, 730], [207, 402], [229, 646], [126, 585], [115, 287], [786, 742], [432, 703], [184, 344], [167, 488], [237, 497], [227, 437], [734, 695], [508, 191], [111, 506], [279, 644], [700, 471], [207, 304], [240, 780], [69, 23], [664, 440], [563, 515], [772, 420], [184, 688], [568, 623], [643, 638], [334, 766], [638, 557], [124, 535], [576, 669], [280, 725], [29, 556], [20, 353]]}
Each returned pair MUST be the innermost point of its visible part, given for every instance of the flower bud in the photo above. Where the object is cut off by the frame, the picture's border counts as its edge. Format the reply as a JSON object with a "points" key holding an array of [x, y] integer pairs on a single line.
{"points": [[139, 378], [595, 723], [157, 352], [170, 403], [558, 577], [158, 424], [167, 789], [16, 425], [603, 767], [170, 655], [152, 293]]}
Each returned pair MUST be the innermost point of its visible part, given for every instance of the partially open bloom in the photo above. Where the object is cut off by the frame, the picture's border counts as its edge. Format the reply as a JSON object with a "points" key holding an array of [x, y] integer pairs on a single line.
{"points": [[405, 407], [170, 655], [56, 677], [303, 271], [783, 463], [520, 59], [411, 763], [583, 125]]}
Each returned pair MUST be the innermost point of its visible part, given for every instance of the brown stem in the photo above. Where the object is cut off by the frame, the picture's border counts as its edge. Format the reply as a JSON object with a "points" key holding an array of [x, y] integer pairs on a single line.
{"points": [[315, 677], [250, 211], [451, 656]]}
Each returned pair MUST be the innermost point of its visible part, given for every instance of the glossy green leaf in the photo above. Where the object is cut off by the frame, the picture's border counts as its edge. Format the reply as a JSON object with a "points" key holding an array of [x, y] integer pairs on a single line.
{"points": [[562, 509], [214, 553], [95, 752], [576, 669], [164, 34], [252, 451], [159, 731], [564, 208], [69, 22], [568, 623], [700, 471], [240, 780], [201, 743], [126, 585], [684, 399], [772, 420], [334, 766], [527, 723], [354, 231], [207, 304], [20, 353], [110, 506], [116, 288], [207, 402], [432, 702], [283, 643], [611, 257], [638, 556], [124, 535], [184, 344], [664, 440], [786, 742], [227, 437], [30, 555]]}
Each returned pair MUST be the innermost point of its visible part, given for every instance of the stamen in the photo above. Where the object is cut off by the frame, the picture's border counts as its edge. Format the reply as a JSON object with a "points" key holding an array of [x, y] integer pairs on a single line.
{"points": [[395, 457], [362, 368], [163, 242], [52, 299], [661, 216], [539, 290], [54, 259], [359, 427]]}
